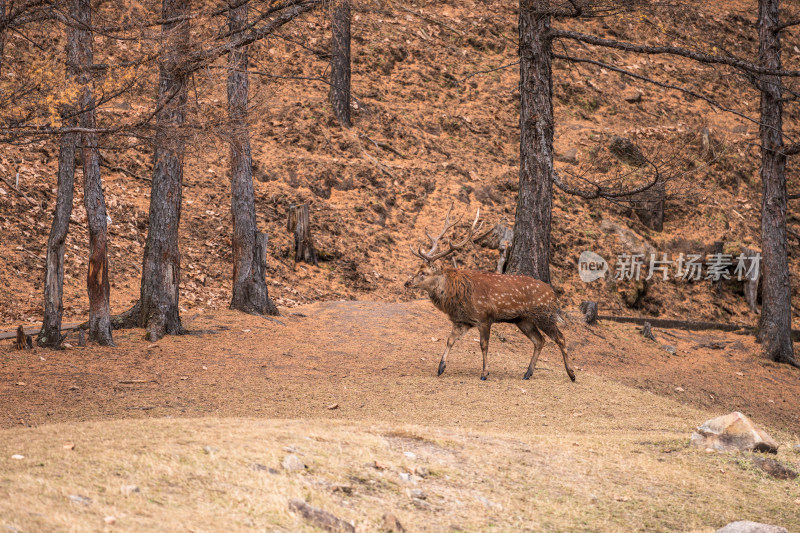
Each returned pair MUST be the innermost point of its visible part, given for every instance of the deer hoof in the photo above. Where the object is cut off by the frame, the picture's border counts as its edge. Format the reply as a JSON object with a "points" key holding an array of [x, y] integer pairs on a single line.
{"points": [[572, 377], [483, 378], [441, 368], [527, 375]]}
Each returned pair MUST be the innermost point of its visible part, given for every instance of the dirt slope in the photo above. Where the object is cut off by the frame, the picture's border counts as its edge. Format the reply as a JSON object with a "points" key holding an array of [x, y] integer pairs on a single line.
{"points": [[424, 137]]}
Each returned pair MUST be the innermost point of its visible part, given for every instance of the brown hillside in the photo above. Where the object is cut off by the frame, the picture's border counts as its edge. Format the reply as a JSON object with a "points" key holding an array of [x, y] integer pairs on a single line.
{"points": [[424, 136]]}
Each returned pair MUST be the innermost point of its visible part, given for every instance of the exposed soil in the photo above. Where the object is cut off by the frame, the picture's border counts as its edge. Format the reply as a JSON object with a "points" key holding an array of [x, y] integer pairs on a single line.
{"points": [[376, 362]]}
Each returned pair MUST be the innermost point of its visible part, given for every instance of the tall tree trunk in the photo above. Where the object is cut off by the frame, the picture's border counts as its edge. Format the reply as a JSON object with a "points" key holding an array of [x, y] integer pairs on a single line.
{"points": [[530, 250], [97, 277], [158, 303], [340, 61], [50, 334], [250, 293], [776, 309], [2, 33]]}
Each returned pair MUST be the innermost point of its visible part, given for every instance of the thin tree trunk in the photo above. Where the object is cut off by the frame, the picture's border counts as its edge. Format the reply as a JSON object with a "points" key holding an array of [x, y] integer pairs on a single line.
{"points": [[250, 293], [158, 303], [2, 33], [97, 277], [775, 325], [530, 250], [340, 61], [50, 334]]}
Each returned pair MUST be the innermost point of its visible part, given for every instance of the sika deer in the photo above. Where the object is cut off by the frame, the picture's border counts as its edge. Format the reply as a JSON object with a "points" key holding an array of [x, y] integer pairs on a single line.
{"points": [[479, 299]]}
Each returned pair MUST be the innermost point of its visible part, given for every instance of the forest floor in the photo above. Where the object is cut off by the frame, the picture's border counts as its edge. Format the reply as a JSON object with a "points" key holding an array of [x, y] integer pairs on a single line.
{"points": [[200, 423]]}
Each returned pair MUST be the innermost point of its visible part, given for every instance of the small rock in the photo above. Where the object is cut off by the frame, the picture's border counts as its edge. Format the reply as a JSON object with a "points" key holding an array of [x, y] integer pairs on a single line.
{"points": [[570, 157], [669, 349], [77, 498], [410, 455], [391, 523], [632, 97], [292, 463], [679, 389], [18, 457], [210, 450], [774, 468], [744, 526], [422, 471], [69, 446], [405, 476], [320, 518], [333, 406], [127, 490], [796, 448], [418, 494], [733, 432], [110, 520], [344, 489]]}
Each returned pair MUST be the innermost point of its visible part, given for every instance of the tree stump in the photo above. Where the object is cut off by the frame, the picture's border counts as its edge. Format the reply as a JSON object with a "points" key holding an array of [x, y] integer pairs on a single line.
{"points": [[589, 311], [647, 331], [298, 222]]}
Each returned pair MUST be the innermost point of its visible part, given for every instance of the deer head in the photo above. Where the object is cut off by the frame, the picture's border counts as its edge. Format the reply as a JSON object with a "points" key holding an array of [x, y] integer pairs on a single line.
{"points": [[429, 274]]}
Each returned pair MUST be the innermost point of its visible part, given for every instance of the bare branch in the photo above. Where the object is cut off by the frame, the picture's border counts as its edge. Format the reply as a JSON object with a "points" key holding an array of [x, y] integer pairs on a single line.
{"points": [[734, 62]]}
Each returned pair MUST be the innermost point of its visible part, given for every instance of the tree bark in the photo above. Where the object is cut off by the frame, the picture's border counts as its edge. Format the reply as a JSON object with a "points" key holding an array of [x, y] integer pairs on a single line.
{"points": [[50, 334], [775, 325], [97, 277], [299, 223], [2, 33], [250, 293], [158, 303], [530, 250], [340, 61]]}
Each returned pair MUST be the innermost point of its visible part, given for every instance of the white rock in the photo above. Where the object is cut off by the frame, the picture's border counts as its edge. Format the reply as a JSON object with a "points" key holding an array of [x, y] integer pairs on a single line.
{"points": [[733, 432]]}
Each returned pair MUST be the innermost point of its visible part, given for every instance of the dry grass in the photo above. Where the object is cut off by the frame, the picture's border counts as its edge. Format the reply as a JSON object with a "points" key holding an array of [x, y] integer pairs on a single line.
{"points": [[202, 475]]}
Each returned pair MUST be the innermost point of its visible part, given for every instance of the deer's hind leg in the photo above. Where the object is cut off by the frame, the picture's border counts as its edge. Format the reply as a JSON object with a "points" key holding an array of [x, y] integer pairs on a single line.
{"points": [[458, 331], [550, 329], [485, 331], [532, 332]]}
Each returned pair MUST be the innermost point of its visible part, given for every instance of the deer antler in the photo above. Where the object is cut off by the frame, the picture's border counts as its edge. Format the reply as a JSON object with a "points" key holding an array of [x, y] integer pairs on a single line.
{"points": [[430, 256]]}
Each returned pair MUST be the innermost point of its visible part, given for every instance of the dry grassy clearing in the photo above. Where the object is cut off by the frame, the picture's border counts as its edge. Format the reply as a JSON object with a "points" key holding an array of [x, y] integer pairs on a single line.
{"points": [[555, 479], [603, 454]]}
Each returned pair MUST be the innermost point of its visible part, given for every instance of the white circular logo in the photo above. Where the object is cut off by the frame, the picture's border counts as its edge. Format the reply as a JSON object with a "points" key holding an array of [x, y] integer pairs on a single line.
{"points": [[591, 266]]}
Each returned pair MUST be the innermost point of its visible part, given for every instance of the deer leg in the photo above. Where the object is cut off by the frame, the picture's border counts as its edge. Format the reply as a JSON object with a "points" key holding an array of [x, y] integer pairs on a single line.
{"points": [[532, 332], [458, 331], [554, 333], [485, 331]]}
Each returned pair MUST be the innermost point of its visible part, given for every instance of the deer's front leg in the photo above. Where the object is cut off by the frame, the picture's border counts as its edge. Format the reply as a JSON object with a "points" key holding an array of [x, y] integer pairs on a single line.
{"points": [[458, 331], [485, 331]]}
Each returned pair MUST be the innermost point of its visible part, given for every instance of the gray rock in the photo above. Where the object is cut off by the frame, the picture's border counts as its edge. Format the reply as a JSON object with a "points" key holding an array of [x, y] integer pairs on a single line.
{"points": [[78, 498], [405, 476], [669, 349], [391, 523], [733, 432], [320, 518], [632, 243], [127, 490], [632, 97], [292, 463], [744, 526], [417, 494], [570, 157]]}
